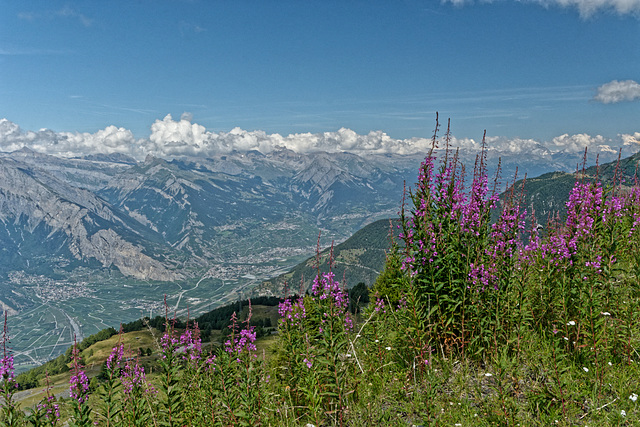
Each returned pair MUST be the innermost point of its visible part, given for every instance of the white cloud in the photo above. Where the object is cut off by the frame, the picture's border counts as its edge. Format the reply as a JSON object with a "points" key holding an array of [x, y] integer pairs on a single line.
{"points": [[577, 143], [457, 3], [174, 138], [586, 8], [27, 16], [618, 91], [69, 144], [68, 12], [190, 27], [180, 138], [632, 141], [514, 146]]}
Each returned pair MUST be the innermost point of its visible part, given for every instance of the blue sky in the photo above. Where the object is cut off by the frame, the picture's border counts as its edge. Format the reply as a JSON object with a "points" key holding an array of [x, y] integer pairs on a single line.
{"points": [[520, 69]]}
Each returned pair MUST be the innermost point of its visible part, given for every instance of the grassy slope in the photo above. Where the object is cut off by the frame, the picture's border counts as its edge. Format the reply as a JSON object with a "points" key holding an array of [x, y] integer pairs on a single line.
{"points": [[95, 355]]}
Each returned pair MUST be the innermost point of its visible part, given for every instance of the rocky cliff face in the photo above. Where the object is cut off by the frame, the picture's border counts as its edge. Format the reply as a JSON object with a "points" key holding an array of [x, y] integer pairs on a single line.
{"points": [[74, 223]]}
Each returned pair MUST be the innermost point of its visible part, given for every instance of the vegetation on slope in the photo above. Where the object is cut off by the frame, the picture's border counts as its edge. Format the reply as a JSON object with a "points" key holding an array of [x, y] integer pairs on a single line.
{"points": [[358, 259], [547, 194]]}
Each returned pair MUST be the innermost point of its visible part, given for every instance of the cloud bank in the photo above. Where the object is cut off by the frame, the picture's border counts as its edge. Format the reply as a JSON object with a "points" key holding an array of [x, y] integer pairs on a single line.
{"points": [[171, 138], [618, 91]]}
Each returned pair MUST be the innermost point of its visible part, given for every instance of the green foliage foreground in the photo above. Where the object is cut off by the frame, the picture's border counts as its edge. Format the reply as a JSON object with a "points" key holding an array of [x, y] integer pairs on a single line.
{"points": [[473, 322]]}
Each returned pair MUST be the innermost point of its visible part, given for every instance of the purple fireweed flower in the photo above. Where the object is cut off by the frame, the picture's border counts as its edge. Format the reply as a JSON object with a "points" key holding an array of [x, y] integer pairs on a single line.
{"points": [[7, 378], [114, 359], [52, 410], [292, 312], [326, 288], [191, 344], [242, 342], [79, 385], [210, 363], [169, 343], [595, 264], [6, 368], [348, 322], [482, 276], [133, 378]]}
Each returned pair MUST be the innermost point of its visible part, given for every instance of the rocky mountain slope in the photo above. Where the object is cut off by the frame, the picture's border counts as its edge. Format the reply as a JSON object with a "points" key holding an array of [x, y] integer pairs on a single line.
{"points": [[158, 218], [48, 223]]}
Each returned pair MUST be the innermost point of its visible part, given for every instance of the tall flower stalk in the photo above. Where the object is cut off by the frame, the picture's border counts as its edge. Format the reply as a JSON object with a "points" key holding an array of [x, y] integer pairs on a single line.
{"points": [[136, 391], [47, 412], [10, 413], [170, 387], [79, 391], [110, 402]]}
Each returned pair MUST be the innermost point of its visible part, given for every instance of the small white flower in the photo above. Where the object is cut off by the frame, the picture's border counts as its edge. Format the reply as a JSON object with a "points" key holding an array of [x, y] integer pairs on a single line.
{"points": [[606, 313], [585, 369], [623, 413], [388, 348], [458, 424], [488, 374], [571, 323], [565, 338], [633, 397], [610, 364], [377, 341]]}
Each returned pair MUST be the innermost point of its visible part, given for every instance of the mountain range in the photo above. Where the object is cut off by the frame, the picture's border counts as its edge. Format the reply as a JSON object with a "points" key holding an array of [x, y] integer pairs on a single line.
{"points": [[154, 219], [166, 219]]}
